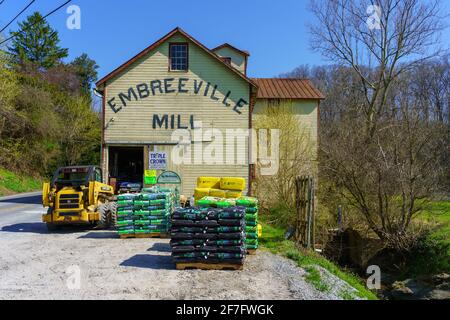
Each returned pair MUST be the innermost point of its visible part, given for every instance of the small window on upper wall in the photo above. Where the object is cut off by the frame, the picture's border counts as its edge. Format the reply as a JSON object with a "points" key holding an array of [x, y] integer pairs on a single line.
{"points": [[227, 60], [178, 56]]}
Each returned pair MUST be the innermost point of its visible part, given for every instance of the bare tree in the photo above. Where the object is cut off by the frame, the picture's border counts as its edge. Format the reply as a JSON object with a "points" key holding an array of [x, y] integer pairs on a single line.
{"points": [[296, 156], [379, 151], [403, 33]]}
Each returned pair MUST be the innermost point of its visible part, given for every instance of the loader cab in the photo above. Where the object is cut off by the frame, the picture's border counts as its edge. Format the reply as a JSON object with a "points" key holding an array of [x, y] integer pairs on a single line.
{"points": [[75, 177]]}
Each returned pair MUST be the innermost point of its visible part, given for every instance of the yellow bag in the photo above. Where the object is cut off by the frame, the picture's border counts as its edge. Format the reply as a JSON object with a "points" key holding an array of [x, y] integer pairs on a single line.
{"points": [[229, 183], [200, 193], [208, 182], [217, 193], [232, 194], [259, 231]]}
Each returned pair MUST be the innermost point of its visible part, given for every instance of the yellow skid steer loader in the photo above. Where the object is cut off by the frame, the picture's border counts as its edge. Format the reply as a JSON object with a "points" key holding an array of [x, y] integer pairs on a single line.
{"points": [[77, 196]]}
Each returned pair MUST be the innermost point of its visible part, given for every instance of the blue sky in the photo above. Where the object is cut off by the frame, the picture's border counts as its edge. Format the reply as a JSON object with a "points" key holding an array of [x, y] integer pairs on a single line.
{"points": [[112, 31]]}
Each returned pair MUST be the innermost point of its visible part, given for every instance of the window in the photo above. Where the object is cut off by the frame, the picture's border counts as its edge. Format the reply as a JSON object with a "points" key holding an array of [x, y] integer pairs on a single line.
{"points": [[178, 53], [227, 60]]}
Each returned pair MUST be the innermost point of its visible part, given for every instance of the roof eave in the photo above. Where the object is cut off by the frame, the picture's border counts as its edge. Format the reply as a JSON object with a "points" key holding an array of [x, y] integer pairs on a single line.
{"points": [[101, 83], [226, 44]]}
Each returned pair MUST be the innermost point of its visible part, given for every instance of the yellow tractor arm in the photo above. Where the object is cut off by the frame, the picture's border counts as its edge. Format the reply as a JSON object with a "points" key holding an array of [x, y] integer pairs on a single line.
{"points": [[99, 190], [46, 194]]}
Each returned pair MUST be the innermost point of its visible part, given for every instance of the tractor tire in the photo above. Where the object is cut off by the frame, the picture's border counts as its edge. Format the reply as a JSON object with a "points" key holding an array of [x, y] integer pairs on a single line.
{"points": [[113, 214], [104, 213], [51, 227]]}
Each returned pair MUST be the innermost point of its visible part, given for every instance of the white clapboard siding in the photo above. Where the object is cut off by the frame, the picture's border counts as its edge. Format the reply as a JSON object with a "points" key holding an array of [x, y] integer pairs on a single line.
{"points": [[133, 125]]}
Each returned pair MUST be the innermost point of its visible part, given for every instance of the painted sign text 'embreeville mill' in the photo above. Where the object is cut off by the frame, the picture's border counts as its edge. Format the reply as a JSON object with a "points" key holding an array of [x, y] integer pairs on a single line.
{"points": [[172, 85]]}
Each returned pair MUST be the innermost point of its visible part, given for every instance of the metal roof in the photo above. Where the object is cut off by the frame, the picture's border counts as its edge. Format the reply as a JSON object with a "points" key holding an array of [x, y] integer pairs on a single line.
{"points": [[286, 88]]}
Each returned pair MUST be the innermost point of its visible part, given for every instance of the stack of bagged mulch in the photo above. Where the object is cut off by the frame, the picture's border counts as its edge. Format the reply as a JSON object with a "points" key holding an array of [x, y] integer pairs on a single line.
{"points": [[146, 213], [125, 219], [152, 212], [208, 235], [252, 229]]}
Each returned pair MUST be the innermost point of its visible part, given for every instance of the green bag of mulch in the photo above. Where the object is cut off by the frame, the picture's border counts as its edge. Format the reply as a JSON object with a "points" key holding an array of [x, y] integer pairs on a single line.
{"points": [[157, 218], [154, 196], [125, 232], [154, 189], [140, 203], [252, 247], [200, 254], [251, 217], [125, 227], [206, 202], [225, 242], [162, 212], [124, 218], [142, 231], [124, 211], [247, 202], [126, 196], [251, 210], [124, 203], [252, 235], [229, 215], [141, 212], [158, 227], [159, 202], [223, 204], [228, 229], [141, 222], [226, 256], [249, 229], [153, 222], [251, 242], [125, 223], [252, 223]]}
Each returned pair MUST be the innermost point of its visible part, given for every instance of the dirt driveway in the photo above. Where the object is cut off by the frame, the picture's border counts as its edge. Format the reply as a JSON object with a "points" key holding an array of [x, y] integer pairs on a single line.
{"points": [[37, 264]]}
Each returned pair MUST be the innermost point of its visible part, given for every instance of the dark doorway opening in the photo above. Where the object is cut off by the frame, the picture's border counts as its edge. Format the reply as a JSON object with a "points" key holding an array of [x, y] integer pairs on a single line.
{"points": [[126, 164]]}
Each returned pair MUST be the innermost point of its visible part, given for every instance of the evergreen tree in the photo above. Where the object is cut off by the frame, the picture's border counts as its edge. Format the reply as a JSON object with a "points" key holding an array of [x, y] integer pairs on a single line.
{"points": [[86, 70], [37, 42]]}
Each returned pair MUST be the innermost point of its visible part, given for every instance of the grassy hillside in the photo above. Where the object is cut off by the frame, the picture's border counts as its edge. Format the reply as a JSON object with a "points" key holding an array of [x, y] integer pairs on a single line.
{"points": [[11, 183], [273, 240], [438, 213], [432, 255]]}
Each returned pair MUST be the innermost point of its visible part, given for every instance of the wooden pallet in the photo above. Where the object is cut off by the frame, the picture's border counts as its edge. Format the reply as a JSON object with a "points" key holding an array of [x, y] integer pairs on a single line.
{"points": [[144, 236], [252, 252], [209, 266]]}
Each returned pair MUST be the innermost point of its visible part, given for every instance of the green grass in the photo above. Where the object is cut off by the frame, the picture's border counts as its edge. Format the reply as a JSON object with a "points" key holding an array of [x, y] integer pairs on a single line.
{"points": [[316, 280], [438, 212], [432, 254], [346, 295], [11, 183], [274, 241]]}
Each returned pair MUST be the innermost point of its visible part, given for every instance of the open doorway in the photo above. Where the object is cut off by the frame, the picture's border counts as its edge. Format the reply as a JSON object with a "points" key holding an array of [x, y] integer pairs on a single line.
{"points": [[126, 164]]}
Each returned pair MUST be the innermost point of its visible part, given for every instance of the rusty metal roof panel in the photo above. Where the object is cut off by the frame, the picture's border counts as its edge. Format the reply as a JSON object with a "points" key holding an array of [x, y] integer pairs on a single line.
{"points": [[282, 88]]}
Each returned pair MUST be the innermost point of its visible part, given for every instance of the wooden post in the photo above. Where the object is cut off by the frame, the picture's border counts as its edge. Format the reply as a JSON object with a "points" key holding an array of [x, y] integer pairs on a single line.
{"points": [[339, 219], [312, 240]]}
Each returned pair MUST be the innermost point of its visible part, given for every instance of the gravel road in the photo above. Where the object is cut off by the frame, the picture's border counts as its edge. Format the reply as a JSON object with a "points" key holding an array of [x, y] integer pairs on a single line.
{"points": [[35, 264]]}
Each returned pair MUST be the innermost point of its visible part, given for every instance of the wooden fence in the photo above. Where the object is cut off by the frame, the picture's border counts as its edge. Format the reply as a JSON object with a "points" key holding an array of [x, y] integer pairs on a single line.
{"points": [[305, 195]]}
